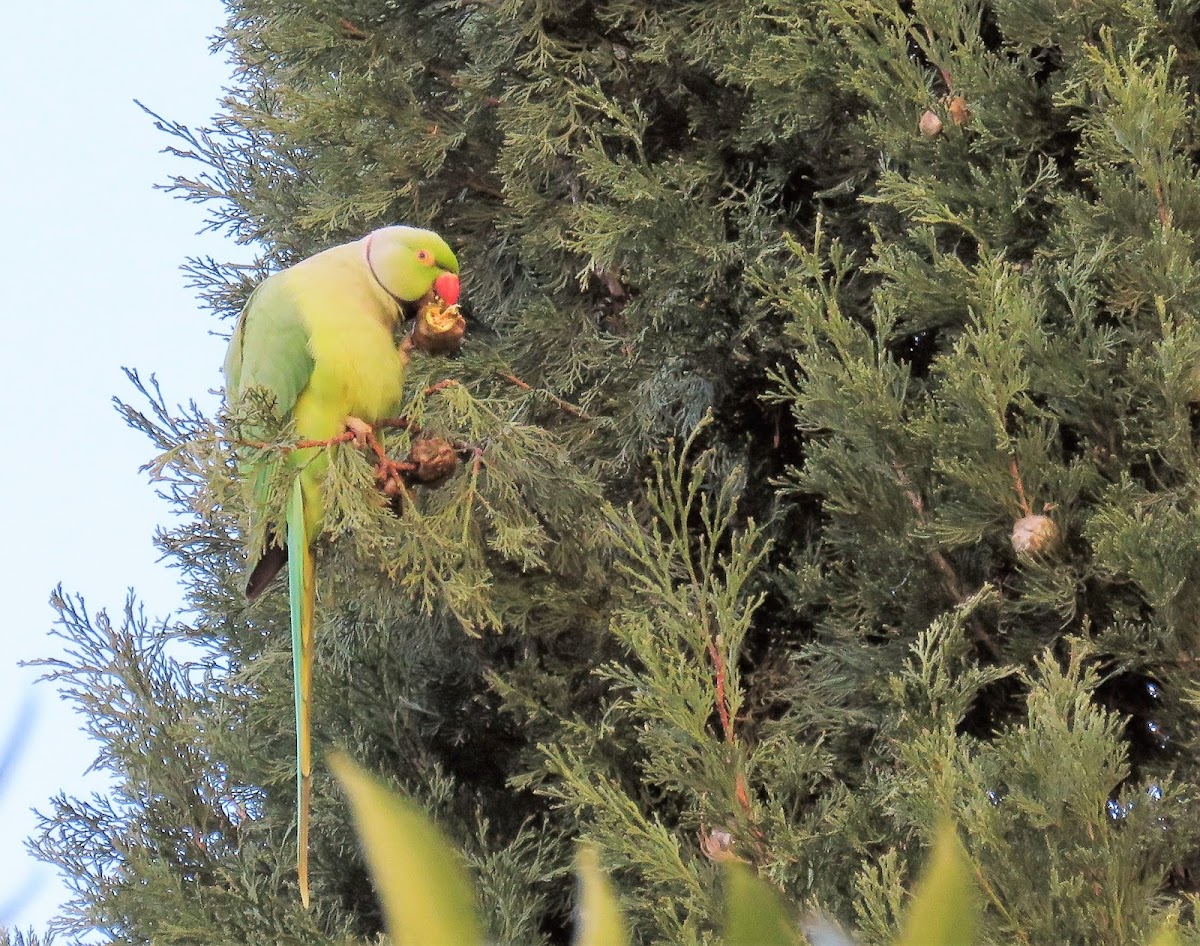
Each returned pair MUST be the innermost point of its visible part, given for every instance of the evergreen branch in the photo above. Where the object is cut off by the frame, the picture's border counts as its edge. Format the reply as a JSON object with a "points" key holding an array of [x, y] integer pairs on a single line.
{"points": [[439, 386], [1165, 216], [351, 31], [1022, 501], [477, 186], [722, 702], [565, 405], [997, 902], [950, 580], [946, 78], [623, 182]]}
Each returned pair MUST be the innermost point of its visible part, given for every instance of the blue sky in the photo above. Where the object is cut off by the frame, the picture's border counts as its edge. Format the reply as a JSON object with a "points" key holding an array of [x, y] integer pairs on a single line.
{"points": [[89, 281]]}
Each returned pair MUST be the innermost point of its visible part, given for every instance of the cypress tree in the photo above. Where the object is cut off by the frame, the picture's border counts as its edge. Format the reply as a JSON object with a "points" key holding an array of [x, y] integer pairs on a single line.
{"points": [[830, 468]]}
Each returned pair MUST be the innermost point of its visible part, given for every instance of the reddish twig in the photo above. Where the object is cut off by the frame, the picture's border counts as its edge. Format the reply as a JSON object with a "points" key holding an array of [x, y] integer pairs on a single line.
{"points": [[1164, 212], [741, 790], [950, 580], [347, 436], [344, 437], [563, 405], [440, 386], [946, 78], [720, 672], [398, 423], [1020, 487], [476, 457], [332, 441]]}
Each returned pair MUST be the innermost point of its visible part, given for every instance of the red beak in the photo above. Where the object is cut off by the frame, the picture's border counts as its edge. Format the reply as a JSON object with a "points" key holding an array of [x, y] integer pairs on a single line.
{"points": [[446, 286]]}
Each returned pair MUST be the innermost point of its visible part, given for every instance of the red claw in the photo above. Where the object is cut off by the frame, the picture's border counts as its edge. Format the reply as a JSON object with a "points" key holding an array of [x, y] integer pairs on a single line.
{"points": [[446, 286]]}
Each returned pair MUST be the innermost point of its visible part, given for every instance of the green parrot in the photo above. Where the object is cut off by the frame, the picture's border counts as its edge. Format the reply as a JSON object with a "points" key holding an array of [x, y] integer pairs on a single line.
{"points": [[319, 337]]}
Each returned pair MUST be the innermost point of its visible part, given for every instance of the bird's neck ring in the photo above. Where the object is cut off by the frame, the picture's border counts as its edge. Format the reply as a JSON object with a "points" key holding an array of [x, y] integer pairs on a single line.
{"points": [[374, 275]]}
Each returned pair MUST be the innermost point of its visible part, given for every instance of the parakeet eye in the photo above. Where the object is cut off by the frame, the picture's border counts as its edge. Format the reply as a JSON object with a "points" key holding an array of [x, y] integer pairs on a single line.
{"points": [[425, 257]]}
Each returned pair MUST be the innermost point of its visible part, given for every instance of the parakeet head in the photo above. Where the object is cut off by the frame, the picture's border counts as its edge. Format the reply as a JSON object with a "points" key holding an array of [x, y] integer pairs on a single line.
{"points": [[409, 262]]}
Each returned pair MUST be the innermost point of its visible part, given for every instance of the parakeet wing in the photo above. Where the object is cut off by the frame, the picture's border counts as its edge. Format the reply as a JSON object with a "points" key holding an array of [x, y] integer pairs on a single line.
{"points": [[270, 347]]}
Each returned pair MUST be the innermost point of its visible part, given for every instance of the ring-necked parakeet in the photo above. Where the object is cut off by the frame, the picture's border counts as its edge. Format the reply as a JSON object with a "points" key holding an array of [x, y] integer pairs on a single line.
{"points": [[318, 336]]}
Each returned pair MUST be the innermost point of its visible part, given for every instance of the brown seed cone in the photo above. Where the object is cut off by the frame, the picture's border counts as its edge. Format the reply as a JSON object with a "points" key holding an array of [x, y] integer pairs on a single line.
{"points": [[960, 114], [434, 461], [930, 125], [430, 463], [437, 330], [1035, 535], [717, 845], [393, 480]]}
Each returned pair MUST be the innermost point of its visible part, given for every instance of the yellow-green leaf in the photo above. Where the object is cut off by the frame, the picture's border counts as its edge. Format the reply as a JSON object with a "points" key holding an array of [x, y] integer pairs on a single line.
{"points": [[755, 915], [598, 920], [1167, 935], [426, 896], [943, 910]]}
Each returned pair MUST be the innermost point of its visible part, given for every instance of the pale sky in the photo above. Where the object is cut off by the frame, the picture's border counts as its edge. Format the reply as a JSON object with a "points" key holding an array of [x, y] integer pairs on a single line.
{"points": [[89, 282]]}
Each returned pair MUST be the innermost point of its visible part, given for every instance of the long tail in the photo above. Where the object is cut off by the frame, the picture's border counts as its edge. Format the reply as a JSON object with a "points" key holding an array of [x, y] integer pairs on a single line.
{"points": [[302, 599]]}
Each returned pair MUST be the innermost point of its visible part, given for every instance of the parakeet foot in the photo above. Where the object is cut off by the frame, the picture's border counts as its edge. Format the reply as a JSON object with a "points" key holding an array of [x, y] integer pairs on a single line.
{"points": [[430, 462], [364, 433]]}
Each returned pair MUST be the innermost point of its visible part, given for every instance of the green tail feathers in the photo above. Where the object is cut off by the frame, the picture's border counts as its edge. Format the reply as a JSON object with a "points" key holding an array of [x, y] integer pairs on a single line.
{"points": [[302, 599]]}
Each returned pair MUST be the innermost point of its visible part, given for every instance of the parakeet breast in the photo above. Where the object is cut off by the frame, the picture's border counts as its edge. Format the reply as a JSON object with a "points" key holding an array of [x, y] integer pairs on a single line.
{"points": [[357, 369]]}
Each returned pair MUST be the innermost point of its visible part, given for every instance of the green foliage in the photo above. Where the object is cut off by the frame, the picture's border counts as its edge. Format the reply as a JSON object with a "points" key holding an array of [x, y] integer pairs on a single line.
{"points": [[18, 938], [683, 620], [598, 916], [427, 899], [943, 910], [425, 893], [754, 914], [783, 315]]}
